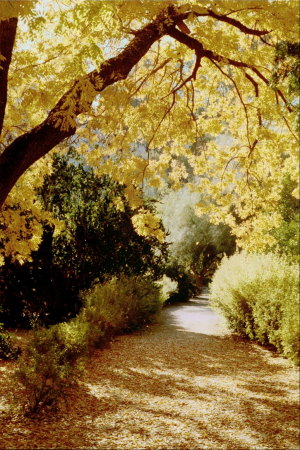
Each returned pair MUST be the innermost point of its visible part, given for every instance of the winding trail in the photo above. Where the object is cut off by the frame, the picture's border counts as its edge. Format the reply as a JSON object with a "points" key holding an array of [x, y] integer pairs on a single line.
{"points": [[184, 383]]}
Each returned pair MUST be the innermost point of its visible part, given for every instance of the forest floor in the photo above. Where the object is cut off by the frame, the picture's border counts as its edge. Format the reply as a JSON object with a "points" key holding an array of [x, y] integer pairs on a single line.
{"points": [[183, 383]]}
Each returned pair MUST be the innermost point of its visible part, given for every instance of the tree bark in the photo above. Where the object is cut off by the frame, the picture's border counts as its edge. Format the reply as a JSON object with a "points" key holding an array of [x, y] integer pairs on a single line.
{"points": [[8, 30], [31, 146]]}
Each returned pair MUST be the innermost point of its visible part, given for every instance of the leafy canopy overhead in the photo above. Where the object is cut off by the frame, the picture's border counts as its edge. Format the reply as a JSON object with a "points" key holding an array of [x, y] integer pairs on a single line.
{"points": [[136, 84]]}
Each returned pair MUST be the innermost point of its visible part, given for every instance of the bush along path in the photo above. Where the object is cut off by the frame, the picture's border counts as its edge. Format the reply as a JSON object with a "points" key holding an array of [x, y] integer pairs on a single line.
{"points": [[184, 382]]}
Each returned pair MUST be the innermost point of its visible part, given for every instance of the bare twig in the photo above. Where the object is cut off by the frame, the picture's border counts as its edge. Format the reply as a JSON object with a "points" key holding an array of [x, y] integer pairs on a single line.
{"points": [[234, 22], [240, 97], [156, 69], [193, 74]]}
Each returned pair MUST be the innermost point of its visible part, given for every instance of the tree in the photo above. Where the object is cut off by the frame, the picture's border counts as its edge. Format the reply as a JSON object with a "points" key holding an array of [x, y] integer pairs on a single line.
{"points": [[196, 245], [97, 242], [287, 67], [287, 235], [190, 69]]}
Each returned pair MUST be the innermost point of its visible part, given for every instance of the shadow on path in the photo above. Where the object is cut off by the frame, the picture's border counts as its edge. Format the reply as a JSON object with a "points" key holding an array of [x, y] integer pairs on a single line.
{"points": [[184, 383]]}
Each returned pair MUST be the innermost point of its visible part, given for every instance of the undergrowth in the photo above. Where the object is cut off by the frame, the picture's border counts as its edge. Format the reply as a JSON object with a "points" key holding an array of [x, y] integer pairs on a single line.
{"points": [[8, 349], [258, 295], [55, 357]]}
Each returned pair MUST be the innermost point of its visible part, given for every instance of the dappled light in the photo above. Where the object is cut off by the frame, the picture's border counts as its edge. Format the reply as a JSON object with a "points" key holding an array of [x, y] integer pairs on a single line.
{"points": [[149, 224], [171, 387]]}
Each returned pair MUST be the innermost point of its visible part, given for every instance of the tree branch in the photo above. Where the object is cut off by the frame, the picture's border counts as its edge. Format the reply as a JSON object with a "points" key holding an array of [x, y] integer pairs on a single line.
{"points": [[241, 100], [194, 44], [146, 77], [60, 122], [236, 23], [256, 89], [255, 84], [8, 30], [193, 74], [233, 11]]}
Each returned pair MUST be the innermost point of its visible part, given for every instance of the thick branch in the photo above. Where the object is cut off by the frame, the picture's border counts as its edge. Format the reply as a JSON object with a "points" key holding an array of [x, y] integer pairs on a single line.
{"points": [[237, 24], [225, 18], [194, 44], [8, 30], [60, 123]]}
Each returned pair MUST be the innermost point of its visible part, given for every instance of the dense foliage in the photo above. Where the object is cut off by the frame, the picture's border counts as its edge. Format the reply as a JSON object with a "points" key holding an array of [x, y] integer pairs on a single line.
{"points": [[137, 85], [287, 68], [98, 241], [152, 94], [258, 295], [51, 364], [8, 348], [54, 358], [125, 303], [185, 283], [287, 235]]}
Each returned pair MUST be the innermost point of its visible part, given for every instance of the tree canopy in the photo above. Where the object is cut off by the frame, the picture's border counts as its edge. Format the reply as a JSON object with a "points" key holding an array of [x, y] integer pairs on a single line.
{"points": [[134, 85]]}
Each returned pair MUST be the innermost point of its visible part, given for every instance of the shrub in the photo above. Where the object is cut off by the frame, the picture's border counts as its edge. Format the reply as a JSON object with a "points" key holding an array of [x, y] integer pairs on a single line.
{"points": [[258, 295], [51, 364], [186, 287], [98, 241], [168, 287], [55, 356], [7, 348], [123, 304], [36, 292]]}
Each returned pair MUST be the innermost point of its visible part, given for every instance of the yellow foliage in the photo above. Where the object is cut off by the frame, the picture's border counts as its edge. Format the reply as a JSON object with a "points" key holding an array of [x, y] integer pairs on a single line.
{"points": [[146, 223], [137, 129], [22, 215]]}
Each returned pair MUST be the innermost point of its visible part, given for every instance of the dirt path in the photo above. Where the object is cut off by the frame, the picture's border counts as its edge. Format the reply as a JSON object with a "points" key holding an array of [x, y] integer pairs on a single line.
{"points": [[184, 383]]}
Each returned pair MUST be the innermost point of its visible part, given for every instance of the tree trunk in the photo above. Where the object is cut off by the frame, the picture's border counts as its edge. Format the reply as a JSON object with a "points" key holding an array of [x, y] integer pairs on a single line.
{"points": [[8, 30]]}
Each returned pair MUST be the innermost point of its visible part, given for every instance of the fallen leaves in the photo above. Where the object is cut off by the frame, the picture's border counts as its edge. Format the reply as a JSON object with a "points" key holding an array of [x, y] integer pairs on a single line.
{"points": [[168, 388]]}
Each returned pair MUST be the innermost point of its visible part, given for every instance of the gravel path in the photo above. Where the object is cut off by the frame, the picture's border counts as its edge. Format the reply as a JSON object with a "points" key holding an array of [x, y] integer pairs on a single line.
{"points": [[184, 383]]}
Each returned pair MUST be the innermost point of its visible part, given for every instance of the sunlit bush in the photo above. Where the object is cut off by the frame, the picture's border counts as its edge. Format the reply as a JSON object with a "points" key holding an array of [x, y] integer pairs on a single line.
{"points": [[123, 304], [55, 356], [258, 295], [186, 287], [167, 287], [51, 364]]}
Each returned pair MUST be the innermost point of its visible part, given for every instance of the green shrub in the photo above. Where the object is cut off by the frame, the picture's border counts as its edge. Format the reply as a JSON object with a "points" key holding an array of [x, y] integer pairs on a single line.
{"points": [[123, 304], [51, 364], [258, 295], [8, 350], [55, 356], [98, 241]]}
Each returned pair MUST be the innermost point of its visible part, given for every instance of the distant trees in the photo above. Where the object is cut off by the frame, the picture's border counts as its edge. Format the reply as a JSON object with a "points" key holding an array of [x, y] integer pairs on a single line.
{"points": [[287, 235], [196, 245]]}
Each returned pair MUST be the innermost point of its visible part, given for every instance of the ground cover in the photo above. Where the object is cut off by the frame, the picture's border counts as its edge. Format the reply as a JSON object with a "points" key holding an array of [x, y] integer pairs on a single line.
{"points": [[184, 382]]}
